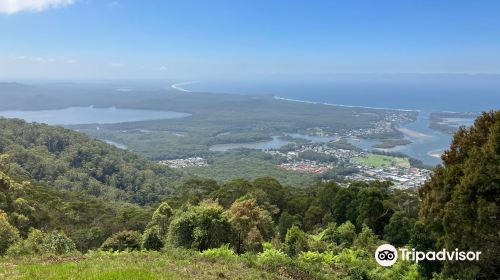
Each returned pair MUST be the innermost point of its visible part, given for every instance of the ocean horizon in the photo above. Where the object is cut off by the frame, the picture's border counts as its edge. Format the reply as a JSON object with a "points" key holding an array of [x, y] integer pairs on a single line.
{"points": [[425, 94]]}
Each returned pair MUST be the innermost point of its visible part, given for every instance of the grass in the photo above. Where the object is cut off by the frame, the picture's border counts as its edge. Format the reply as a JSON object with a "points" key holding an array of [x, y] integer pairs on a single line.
{"points": [[379, 161], [132, 265]]}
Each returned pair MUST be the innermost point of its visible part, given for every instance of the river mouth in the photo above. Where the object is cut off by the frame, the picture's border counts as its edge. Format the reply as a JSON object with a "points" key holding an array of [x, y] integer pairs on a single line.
{"points": [[91, 115]]}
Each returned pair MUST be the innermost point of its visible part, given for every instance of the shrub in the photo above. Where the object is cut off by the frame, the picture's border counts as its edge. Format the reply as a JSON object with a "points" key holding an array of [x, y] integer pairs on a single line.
{"points": [[161, 219], [347, 233], [222, 253], [295, 241], [58, 243], [124, 240], [326, 258], [357, 263], [366, 239], [272, 258], [151, 240], [8, 234], [201, 227], [40, 243], [252, 225]]}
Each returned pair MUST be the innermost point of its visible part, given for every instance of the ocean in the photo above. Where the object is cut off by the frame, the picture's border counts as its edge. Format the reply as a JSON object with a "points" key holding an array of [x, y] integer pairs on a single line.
{"points": [[424, 93]]}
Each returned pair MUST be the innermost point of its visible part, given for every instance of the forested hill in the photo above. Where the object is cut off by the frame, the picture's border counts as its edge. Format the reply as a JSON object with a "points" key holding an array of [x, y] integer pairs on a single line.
{"points": [[87, 220], [69, 160]]}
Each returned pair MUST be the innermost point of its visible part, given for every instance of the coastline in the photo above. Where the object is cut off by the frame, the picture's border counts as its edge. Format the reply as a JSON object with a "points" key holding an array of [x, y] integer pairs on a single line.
{"points": [[419, 139], [436, 153], [178, 86], [343, 105]]}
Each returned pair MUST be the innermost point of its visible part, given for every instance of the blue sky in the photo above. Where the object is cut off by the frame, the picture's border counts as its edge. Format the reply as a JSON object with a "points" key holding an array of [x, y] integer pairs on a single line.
{"points": [[196, 39]]}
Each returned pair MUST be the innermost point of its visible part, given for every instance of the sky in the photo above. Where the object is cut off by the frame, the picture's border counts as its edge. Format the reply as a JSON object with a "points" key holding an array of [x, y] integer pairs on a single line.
{"points": [[241, 39]]}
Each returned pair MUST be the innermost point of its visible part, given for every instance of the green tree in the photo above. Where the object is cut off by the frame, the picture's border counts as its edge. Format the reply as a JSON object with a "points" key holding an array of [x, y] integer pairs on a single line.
{"points": [[201, 227], [345, 205], [313, 217], [366, 240], [326, 194], [347, 233], [285, 222], [398, 230], [123, 240], [295, 241], [460, 203], [231, 191], [161, 219], [251, 223], [371, 208], [151, 240], [273, 189], [8, 234], [193, 191], [422, 240]]}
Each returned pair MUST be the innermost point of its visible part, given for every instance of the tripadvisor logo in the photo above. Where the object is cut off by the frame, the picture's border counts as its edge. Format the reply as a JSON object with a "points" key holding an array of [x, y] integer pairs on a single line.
{"points": [[387, 255]]}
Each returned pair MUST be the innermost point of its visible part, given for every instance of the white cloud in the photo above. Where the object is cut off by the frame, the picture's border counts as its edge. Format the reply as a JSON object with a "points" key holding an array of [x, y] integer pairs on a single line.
{"points": [[15, 6], [163, 68], [38, 59]]}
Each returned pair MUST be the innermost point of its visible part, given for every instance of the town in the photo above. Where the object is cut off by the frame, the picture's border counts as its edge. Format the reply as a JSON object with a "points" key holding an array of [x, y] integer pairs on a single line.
{"points": [[185, 162], [364, 165]]}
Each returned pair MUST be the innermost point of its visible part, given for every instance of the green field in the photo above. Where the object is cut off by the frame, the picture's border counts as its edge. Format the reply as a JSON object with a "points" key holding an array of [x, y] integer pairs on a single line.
{"points": [[133, 265], [186, 264], [382, 161]]}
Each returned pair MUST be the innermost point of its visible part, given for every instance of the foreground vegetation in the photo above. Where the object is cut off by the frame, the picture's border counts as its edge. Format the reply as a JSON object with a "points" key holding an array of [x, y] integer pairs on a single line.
{"points": [[262, 229], [131, 265], [210, 264]]}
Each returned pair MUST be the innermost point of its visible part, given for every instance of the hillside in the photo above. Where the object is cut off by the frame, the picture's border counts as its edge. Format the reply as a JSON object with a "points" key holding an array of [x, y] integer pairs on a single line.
{"points": [[85, 219], [67, 160]]}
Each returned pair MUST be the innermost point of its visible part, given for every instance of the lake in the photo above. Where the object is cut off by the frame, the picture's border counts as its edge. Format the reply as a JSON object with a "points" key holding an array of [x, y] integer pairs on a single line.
{"points": [[90, 115]]}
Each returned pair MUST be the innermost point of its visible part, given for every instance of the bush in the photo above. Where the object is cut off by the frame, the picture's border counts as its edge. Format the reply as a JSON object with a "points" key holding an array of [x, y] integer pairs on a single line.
{"points": [[40, 243], [272, 258], [151, 240], [222, 253], [295, 241], [201, 227], [161, 219], [58, 243], [347, 233], [366, 240], [326, 258], [357, 263], [8, 234], [124, 240]]}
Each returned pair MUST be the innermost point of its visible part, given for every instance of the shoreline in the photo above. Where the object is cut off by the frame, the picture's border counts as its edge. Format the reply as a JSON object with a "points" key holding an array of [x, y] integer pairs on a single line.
{"points": [[343, 105], [436, 153], [413, 133], [178, 87]]}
